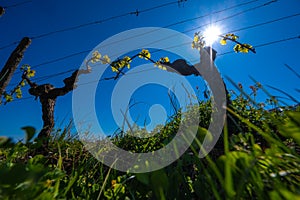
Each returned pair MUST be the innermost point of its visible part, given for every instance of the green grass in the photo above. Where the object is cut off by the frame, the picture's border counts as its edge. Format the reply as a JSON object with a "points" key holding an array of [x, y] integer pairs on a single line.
{"points": [[257, 157]]}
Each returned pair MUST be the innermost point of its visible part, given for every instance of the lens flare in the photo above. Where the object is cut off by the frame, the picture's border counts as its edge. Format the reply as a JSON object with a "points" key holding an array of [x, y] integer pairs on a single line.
{"points": [[211, 34]]}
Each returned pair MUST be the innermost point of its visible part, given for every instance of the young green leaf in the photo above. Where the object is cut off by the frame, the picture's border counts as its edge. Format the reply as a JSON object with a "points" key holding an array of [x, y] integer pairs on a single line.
{"points": [[29, 133]]}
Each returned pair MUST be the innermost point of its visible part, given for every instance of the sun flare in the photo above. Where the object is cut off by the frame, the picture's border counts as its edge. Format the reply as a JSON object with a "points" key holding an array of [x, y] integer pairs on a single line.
{"points": [[211, 34]]}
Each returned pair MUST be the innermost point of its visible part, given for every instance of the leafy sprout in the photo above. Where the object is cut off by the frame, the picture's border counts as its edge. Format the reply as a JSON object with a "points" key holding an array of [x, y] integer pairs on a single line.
{"points": [[199, 42], [239, 47], [125, 62], [17, 91]]}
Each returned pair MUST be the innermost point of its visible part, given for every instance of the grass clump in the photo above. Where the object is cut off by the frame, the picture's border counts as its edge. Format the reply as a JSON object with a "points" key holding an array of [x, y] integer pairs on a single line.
{"points": [[257, 157]]}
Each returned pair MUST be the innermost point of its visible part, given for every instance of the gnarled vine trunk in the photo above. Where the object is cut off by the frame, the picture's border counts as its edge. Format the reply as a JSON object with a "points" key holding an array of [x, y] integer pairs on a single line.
{"points": [[47, 116], [47, 95]]}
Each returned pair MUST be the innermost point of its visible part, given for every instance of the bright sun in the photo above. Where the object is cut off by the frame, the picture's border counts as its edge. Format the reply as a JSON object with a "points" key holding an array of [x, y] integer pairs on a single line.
{"points": [[211, 34]]}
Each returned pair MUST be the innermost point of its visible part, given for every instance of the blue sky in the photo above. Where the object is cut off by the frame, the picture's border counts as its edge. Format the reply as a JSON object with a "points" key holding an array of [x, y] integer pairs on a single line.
{"points": [[39, 17]]}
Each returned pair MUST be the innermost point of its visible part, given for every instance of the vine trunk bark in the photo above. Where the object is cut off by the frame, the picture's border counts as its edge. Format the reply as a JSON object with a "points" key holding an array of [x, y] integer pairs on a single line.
{"points": [[12, 63]]}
